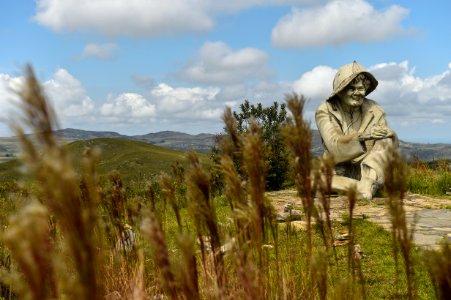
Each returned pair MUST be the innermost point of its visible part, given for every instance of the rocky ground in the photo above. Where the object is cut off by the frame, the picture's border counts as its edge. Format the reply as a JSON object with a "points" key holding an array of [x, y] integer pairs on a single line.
{"points": [[433, 214]]}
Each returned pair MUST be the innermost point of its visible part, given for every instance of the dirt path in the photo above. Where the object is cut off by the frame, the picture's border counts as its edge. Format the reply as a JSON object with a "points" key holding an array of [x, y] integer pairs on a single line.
{"points": [[433, 214]]}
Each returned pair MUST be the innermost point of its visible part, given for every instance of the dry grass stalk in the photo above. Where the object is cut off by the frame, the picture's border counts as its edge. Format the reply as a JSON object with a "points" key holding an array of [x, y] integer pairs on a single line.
{"points": [[395, 173], [439, 267], [114, 201], [153, 233], [188, 275], [59, 188], [352, 198], [28, 238], [151, 195], [233, 144], [255, 166], [243, 164], [323, 179], [298, 137], [123, 280], [248, 284], [354, 264], [320, 268], [203, 212], [169, 194]]}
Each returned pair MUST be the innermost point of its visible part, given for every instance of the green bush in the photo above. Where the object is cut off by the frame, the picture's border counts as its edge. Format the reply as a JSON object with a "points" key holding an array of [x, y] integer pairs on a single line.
{"points": [[429, 181]]}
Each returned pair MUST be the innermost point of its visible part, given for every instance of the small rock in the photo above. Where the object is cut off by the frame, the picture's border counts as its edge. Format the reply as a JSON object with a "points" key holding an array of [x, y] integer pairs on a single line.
{"points": [[358, 253], [225, 248], [288, 207], [292, 215], [342, 237], [228, 246], [289, 214]]}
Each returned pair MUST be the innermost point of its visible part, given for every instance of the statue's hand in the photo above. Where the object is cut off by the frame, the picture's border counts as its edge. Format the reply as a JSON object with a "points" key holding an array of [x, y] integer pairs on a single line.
{"points": [[377, 132], [380, 132]]}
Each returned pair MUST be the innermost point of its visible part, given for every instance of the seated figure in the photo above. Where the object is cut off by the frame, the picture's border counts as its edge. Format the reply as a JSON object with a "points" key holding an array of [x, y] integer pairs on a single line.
{"points": [[354, 131]]}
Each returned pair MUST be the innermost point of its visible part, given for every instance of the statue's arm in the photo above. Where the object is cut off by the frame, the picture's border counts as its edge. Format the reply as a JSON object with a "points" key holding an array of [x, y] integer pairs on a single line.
{"points": [[342, 147], [378, 129]]}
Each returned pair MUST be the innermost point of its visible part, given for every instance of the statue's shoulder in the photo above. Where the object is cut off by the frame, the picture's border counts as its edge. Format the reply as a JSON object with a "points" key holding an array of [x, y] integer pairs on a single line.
{"points": [[327, 106], [374, 105], [322, 106]]}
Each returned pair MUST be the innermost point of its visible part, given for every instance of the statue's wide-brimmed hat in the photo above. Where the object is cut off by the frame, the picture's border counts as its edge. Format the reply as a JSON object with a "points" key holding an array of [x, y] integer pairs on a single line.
{"points": [[346, 74]]}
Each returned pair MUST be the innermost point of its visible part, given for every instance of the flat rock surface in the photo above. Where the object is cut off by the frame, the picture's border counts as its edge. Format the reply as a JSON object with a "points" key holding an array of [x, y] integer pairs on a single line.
{"points": [[432, 215]]}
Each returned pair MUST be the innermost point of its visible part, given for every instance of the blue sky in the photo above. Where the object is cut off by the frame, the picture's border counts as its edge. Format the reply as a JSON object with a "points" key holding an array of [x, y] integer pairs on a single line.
{"points": [[140, 66]]}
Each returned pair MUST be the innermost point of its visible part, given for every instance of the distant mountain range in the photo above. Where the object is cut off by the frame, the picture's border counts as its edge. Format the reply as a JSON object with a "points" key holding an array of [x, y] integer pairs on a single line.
{"points": [[203, 142], [169, 139]]}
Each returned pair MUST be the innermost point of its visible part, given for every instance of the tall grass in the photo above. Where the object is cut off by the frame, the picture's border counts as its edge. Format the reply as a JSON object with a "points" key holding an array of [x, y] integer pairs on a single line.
{"points": [[69, 238], [433, 178]]}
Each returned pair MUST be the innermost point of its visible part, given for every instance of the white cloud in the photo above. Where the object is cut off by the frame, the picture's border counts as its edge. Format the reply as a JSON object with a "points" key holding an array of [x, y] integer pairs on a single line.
{"points": [[9, 86], [137, 18], [142, 18], [68, 95], [336, 23], [99, 51], [128, 108], [410, 100], [315, 84], [186, 109], [438, 121], [237, 5], [217, 63], [64, 91], [190, 103]]}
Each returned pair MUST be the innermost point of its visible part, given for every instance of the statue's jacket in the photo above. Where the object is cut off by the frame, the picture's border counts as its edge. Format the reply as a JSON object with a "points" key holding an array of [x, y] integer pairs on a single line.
{"points": [[329, 119]]}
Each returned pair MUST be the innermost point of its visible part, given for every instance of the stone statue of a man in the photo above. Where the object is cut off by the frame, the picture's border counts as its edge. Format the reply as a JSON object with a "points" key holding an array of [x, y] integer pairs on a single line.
{"points": [[354, 131]]}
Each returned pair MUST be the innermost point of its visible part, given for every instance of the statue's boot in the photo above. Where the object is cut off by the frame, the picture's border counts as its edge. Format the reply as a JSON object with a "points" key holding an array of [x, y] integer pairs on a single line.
{"points": [[341, 184], [367, 187]]}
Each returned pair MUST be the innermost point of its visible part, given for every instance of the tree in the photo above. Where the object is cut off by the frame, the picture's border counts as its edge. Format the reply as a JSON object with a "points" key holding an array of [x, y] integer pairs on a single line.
{"points": [[269, 118]]}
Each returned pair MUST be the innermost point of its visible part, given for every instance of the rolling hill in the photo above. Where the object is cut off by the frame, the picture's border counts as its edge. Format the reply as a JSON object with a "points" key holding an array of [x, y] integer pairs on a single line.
{"points": [[135, 160], [177, 140]]}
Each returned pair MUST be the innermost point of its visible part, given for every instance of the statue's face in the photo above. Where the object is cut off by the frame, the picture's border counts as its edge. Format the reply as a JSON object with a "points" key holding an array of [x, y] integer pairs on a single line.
{"points": [[353, 95]]}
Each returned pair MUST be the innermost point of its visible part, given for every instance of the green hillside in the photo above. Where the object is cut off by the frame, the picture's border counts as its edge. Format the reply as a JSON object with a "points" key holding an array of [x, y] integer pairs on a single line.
{"points": [[133, 159], [9, 171]]}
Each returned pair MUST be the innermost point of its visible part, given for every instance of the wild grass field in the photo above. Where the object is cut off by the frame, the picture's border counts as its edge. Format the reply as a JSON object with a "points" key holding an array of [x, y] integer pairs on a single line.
{"points": [[83, 224]]}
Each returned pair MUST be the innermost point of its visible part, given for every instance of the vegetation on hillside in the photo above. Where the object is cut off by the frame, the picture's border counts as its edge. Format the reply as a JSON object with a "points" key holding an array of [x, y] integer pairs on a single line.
{"points": [[135, 161], [433, 178], [72, 237]]}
